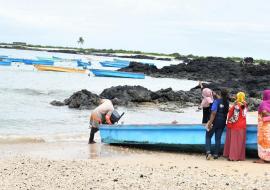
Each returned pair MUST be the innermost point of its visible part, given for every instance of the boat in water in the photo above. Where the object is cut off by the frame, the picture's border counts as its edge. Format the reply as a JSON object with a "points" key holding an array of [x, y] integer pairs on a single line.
{"points": [[45, 58], [5, 63], [37, 62], [188, 137], [113, 64], [14, 60], [3, 56], [83, 64], [59, 69], [110, 73]]}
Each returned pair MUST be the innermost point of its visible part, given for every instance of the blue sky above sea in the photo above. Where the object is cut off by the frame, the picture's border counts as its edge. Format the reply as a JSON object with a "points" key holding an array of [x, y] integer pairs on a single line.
{"points": [[200, 27]]}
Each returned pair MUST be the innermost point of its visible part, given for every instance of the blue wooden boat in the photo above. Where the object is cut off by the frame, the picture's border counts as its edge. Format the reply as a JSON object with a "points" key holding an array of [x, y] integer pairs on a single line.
{"points": [[18, 60], [109, 73], [37, 62], [3, 56], [183, 136], [113, 64], [83, 64], [5, 63]]}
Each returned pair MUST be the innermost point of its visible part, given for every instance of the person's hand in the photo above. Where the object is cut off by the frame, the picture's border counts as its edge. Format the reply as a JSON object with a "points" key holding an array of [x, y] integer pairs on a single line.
{"points": [[108, 119], [208, 126], [200, 84]]}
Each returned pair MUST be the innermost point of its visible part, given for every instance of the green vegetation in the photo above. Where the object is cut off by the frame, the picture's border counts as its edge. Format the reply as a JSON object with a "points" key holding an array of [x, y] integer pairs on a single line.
{"points": [[113, 51]]}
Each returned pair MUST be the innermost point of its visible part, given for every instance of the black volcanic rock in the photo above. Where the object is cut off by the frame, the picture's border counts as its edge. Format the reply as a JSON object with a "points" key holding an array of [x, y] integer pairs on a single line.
{"points": [[132, 95], [126, 94], [140, 68], [82, 100], [57, 103]]}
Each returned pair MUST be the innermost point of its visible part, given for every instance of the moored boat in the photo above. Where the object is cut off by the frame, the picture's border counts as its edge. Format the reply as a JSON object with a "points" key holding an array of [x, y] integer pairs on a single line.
{"points": [[3, 56], [110, 73], [16, 60], [59, 69], [83, 64], [113, 64], [5, 63], [182, 136], [37, 62]]}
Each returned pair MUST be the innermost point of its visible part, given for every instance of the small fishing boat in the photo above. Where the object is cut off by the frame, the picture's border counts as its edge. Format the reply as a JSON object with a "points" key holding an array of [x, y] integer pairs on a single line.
{"points": [[5, 63], [113, 64], [59, 69], [37, 62], [109, 73], [83, 64], [15, 60], [3, 56], [181, 136]]}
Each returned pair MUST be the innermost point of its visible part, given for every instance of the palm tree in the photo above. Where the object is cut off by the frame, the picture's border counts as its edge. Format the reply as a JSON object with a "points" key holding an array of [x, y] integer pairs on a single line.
{"points": [[80, 41]]}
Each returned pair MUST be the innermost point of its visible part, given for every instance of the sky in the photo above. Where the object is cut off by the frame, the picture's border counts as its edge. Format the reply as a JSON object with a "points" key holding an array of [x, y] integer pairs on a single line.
{"points": [[200, 27]]}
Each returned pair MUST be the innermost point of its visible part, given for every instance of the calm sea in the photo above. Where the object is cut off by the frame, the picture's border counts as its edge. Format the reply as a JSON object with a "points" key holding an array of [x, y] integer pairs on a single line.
{"points": [[25, 95]]}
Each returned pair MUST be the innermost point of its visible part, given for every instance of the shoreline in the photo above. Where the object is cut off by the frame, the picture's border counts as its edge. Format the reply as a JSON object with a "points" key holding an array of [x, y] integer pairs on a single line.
{"points": [[129, 169]]}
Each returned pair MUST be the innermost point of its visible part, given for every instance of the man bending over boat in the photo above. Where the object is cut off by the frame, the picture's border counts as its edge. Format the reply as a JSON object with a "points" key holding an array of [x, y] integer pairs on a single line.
{"points": [[100, 115]]}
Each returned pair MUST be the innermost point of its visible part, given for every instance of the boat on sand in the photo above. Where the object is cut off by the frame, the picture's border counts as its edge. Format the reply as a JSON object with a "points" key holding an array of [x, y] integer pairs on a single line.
{"points": [[187, 137]]}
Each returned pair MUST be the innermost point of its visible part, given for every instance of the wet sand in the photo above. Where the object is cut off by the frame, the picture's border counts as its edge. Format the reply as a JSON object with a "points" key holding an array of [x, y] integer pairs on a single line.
{"points": [[81, 166]]}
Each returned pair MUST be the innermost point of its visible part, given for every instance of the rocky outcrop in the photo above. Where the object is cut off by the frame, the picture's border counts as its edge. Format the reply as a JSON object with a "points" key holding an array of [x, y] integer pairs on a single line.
{"points": [[128, 94], [140, 68], [81, 100], [220, 72], [131, 96]]}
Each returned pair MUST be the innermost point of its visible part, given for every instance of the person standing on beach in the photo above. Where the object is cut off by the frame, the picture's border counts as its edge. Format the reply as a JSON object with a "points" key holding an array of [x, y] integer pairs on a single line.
{"points": [[264, 129], [206, 103], [217, 122], [235, 143], [100, 115]]}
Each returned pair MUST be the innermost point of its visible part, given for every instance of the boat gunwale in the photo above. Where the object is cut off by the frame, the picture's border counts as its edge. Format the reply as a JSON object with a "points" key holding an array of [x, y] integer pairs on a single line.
{"points": [[124, 72]]}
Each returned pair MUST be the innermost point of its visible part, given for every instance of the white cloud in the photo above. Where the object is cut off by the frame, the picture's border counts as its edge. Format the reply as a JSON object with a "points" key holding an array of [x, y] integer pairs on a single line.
{"points": [[151, 25]]}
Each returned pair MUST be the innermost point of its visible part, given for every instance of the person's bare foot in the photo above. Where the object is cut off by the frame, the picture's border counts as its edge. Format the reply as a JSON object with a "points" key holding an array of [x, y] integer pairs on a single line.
{"points": [[260, 161]]}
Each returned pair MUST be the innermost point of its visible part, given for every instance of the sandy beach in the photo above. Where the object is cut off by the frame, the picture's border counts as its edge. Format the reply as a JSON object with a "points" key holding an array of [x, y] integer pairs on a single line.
{"points": [[77, 166]]}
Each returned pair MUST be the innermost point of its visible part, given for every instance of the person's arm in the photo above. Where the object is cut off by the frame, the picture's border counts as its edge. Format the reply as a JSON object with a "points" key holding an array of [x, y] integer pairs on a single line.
{"points": [[108, 118], [211, 120], [213, 114], [201, 85]]}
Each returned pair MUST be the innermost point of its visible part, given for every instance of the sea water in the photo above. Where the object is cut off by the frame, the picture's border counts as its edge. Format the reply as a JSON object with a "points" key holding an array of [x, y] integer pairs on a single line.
{"points": [[25, 95]]}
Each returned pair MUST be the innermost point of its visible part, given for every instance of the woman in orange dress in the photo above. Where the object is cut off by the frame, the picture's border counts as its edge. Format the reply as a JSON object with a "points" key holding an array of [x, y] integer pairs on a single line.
{"points": [[264, 128]]}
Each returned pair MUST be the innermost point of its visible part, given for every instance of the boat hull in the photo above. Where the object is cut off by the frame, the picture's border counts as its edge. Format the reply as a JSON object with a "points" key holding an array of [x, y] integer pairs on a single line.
{"points": [[114, 64], [37, 62], [190, 137], [83, 64], [109, 73], [58, 69], [5, 63]]}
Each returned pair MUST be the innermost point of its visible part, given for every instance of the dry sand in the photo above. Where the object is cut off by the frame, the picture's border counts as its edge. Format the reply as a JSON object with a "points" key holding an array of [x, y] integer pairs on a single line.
{"points": [[122, 168]]}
